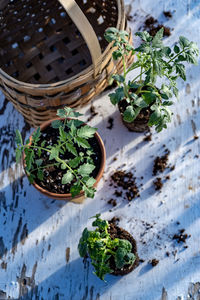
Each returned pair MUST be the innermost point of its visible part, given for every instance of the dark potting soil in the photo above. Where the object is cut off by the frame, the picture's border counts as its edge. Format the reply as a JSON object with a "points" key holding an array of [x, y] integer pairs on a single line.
{"points": [[117, 232], [181, 236], [152, 26], [148, 138], [92, 112], [158, 184], [167, 14], [110, 122], [126, 181], [113, 202], [154, 262], [53, 175], [160, 163]]}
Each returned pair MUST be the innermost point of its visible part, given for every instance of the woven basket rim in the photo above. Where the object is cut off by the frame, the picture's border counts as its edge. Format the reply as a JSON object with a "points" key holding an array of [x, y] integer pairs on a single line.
{"points": [[80, 75]]}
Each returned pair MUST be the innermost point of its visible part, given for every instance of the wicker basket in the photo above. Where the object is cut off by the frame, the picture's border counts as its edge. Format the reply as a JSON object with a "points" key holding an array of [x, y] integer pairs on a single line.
{"points": [[50, 58]]}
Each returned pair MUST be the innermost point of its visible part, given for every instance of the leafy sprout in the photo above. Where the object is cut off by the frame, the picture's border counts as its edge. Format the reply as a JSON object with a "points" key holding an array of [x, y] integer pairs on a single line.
{"points": [[154, 60], [73, 136], [100, 247]]}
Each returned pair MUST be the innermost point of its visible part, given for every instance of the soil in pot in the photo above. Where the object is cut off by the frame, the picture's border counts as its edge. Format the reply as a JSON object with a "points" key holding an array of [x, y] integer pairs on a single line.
{"points": [[117, 232], [140, 124], [53, 174]]}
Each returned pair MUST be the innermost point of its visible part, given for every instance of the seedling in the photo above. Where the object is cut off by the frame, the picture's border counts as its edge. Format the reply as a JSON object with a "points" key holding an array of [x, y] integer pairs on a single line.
{"points": [[72, 138], [100, 247], [154, 60]]}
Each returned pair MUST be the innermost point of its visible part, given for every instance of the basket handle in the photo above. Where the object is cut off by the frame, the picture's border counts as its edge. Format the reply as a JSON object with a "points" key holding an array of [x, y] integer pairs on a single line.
{"points": [[85, 28]]}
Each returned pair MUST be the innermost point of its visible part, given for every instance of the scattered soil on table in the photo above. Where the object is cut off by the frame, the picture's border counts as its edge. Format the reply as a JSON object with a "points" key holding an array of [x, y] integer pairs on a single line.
{"points": [[114, 220], [167, 177], [148, 138], [92, 112], [152, 26], [117, 232], [160, 163], [113, 202], [196, 137], [52, 180], [110, 122], [127, 182], [158, 184], [154, 262], [167, 14], [181, 236]]}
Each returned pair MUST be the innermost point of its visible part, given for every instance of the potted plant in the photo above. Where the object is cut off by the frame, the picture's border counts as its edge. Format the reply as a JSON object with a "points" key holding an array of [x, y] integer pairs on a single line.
{"points": [[141, 101], [112, 249], [64, 158]]}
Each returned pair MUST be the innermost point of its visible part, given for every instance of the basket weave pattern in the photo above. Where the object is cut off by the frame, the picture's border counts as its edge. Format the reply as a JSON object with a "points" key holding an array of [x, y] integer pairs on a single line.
{"points": [[45, 61]]}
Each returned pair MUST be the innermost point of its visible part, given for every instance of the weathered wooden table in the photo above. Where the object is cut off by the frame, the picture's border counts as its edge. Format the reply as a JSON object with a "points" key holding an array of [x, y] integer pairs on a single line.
{"points": [[39, 236]]}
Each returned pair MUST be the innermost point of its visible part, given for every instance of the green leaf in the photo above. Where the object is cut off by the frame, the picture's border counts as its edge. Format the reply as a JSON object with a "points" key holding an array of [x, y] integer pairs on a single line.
{"points": [[18, 154], [82, 142], [63, 134], [166, 51], [73, 163], [86, 132], [117, 96], [89, 191], [71, 149], [56, 124], [145, 36], [180, 69], [75, 190], [85, 169], [176, 49], [149, 97], [36, 135], [118, 78], [67, 177], [29, 158], [116, 54], [40, 174], [184, 42], [53, 153], [31, 178], [140, 102], [38, 162], [18, 138], [157, 40], [130, 114], [90, 182], [63, 166]]}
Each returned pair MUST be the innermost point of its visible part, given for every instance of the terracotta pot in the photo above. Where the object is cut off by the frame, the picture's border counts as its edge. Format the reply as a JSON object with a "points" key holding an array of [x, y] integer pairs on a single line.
{"points": [[80, 197], [121, 233], [140, 124]]}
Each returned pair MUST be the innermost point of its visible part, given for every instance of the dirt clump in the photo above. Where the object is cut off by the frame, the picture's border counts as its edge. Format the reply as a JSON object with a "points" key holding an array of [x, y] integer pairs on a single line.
{"points": [[154, 262], [127, 182], [158, 184], [152, 26], [160, 163]]}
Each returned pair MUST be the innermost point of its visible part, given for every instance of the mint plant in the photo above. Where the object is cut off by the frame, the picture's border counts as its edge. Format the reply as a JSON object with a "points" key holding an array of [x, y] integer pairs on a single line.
{"points": [[154, 60], [100, 247], [72, 139]]}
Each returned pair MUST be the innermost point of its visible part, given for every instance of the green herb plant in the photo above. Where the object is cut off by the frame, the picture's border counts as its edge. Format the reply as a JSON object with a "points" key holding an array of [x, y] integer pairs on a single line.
{"points": [[73, 136], [154, 60], [100, 247]]}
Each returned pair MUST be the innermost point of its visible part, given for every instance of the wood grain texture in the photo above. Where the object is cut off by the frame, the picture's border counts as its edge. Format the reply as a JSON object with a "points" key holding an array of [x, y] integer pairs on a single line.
{"points": [[39, 236]]}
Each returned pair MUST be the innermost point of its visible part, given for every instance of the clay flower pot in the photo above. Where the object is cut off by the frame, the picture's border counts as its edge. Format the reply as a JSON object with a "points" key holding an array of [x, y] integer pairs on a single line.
{"points": [[80, 197]]}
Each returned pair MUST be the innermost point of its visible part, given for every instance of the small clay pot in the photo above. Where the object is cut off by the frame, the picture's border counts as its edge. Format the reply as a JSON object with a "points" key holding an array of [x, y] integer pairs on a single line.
{"points": [[117, 232], [80, 197], [140, 124]]}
